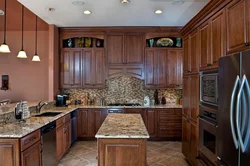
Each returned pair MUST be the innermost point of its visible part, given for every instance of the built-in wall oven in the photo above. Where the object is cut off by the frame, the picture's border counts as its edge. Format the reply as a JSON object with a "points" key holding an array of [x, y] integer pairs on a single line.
{"points": [[207, 133], [209, 88]]}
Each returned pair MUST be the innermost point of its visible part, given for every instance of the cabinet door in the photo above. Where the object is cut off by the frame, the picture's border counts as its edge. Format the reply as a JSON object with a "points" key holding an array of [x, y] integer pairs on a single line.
{"points": [[67, 136], [160, 65], [194, 51], [186, 56], [89, 68], [97, 121], [205, 46], [152, 122], [10, 152], [149, 69], [32, 156], [186, 96], [76, 60], [193, 150], [236, 22], [82, 123], [217, 37], [59, 142], [134, 48], [186, 128], [99, 62], [194, 96], [66, 68], [174, 68], [115, 50]]}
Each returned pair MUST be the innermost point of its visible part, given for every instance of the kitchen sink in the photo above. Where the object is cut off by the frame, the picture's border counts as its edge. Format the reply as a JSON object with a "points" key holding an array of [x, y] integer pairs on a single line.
{"points": [[48, 114]]}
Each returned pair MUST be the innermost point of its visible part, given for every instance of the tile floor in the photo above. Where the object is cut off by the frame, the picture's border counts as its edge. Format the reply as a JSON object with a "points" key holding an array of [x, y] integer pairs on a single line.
{"points": [[83, 153]]}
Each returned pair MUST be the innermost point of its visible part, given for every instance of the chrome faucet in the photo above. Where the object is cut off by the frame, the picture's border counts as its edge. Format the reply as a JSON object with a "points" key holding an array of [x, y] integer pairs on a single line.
{"points": [[39, 106]]}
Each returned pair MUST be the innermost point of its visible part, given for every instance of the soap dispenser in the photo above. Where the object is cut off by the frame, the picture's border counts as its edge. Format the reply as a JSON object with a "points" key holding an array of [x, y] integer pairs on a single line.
{"points": [[146, 101]]}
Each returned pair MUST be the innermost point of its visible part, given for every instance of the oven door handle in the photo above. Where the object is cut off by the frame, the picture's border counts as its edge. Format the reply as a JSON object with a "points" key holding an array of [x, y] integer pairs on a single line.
{"points": [[232, 112], [204, 120]]}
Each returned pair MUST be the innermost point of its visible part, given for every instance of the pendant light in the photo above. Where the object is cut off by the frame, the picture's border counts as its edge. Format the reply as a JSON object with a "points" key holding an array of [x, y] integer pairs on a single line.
{"points": [[36, 58], [4, 48], [22, 53]]}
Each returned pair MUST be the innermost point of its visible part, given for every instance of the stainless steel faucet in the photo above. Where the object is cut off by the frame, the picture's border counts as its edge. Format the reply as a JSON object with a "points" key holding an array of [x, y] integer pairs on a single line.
{"points": [[39, 106]]}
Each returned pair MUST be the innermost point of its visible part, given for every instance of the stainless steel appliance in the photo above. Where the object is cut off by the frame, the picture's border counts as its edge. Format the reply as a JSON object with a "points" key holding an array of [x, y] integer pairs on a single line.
{"points": [[234, 110], [115, 111], [48, 137], [207, 133], [209, 88], [124, 104], [73, 126]]}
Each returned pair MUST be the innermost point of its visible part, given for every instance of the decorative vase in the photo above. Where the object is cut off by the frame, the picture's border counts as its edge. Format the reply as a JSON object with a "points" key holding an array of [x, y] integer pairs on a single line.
{"points": [[98, 43], [70, 43], [178, 42], [80, 42], [87, 42], [151, 42]]}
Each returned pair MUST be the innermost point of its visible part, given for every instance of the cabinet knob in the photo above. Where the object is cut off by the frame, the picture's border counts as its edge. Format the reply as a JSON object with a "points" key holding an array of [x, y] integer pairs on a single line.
{"points": [[247, 44]]}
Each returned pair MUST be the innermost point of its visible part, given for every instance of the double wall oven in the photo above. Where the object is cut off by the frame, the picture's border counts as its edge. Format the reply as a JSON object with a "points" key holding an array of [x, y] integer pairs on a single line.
{"points": [[207, 116]]}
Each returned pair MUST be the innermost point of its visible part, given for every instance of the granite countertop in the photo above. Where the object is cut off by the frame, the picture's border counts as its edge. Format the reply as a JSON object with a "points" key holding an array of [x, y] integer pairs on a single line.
{"points": [[19, 130], [123, 126]]}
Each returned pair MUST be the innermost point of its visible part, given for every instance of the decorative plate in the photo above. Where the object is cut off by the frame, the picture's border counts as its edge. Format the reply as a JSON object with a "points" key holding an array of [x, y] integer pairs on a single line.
{"points": [[165, 42]]}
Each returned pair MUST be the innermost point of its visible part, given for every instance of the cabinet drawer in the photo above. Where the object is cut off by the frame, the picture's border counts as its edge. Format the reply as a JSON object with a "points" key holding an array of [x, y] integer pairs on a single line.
{"points": [[171, 125], [165, 132], [30, 139], [67, 118], [60, 122], [167, 112]]}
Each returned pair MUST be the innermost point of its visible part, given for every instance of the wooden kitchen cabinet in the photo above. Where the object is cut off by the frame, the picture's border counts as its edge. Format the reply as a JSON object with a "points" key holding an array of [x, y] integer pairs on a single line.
{"points": [[186, 132], [94, 68], [186, 55], [194, 97], [71, 68], [151, 122], [156, 68], [10, 152], [170, 124], [174, 68], [88, 122], [32, 156], [115, 49], [194, 51], [238, 26], [186, 95], [63, 136]]}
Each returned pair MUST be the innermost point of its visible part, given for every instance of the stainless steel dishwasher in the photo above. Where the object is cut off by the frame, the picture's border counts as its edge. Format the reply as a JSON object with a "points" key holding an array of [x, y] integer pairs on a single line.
{"points": [[73, 127], [48, 137]]}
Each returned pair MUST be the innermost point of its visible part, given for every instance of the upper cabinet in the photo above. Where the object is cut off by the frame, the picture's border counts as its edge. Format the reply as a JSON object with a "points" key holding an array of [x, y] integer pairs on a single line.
{"points": [[212, 41], [194, 51], [125, 48], [174, 68], [71, 68], [238, 26], [186, 56]]}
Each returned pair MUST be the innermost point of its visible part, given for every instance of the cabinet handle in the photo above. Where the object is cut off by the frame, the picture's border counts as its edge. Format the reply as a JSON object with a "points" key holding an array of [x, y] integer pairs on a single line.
{"points": [[247, 44]]}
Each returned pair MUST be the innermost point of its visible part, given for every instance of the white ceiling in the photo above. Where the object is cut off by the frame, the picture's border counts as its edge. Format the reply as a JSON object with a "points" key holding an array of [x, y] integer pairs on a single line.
{"points": [[113, 13]]}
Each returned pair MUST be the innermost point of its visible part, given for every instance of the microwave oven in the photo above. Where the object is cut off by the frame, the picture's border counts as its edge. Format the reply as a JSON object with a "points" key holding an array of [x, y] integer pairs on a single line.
{"points": [[209, 88]]}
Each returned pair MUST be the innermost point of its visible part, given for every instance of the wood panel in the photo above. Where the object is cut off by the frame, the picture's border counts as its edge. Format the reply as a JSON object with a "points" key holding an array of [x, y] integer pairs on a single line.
{"points": [[59, 142], [218, 37], [186, 96], [76, 68], [186, 132], [174, 68], [32, 156], [236, 19], [193, 150], [151, 123], [186, 56], [205, 46], [194, 51], [67, 136], [65, 68], [82, 123], [97, 121], [115, 51], [122, 152], [160, 65], [134, 48], [99, 68], [89, 68], [149, 68], [30, 139], [194, 96], [10, 152]]}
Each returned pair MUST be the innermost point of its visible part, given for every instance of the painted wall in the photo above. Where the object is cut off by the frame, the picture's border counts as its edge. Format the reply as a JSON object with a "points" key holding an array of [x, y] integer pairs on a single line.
{"points": [[28, 80]]}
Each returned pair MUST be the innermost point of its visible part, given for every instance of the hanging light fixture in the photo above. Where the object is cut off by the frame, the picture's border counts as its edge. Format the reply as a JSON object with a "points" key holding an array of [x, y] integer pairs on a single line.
{"points": [[4, 48], [22, 53], [36, 58]]}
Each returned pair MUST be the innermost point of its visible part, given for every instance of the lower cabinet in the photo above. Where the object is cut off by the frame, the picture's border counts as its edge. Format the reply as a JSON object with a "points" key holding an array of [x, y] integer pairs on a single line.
{"points": [[63, 136], [10, 152], [32, 156], [151, 122]]}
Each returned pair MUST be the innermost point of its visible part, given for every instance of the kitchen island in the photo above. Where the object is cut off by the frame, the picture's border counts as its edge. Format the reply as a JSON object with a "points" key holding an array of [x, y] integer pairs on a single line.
{"points": [[122, 140]]}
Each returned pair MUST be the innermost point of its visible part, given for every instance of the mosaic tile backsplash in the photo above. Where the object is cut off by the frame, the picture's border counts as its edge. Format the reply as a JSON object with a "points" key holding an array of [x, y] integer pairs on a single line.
{"points": [[124, 89]]}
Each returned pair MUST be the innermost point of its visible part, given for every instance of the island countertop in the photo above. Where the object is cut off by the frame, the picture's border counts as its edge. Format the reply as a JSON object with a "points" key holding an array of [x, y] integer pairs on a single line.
{"points": [[123, 126]]}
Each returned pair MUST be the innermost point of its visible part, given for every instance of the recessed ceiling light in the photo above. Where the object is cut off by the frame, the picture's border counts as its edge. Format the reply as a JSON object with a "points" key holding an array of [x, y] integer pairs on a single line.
{"points": [[158, 12], [87, 12], [178, 2], [1, 12], [125, 1], [49, 9], [78, 2]]}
